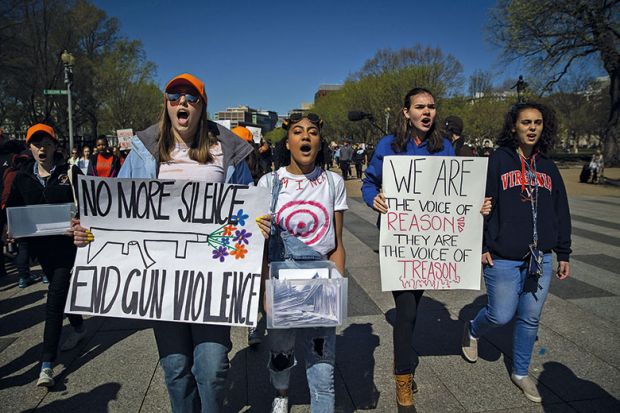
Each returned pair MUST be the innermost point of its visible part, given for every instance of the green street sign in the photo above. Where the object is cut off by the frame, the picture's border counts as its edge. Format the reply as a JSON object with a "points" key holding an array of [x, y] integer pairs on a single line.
{"points": [[54, 92]]}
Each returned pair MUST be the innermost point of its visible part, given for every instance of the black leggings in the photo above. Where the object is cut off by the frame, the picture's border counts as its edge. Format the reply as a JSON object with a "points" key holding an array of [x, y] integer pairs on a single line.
{"points": [[56, 255], [405, 358]]}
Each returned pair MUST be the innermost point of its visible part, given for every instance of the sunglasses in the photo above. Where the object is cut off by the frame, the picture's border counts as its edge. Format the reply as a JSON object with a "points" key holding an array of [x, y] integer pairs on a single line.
{"points": [[174, 97], [298, 116]]}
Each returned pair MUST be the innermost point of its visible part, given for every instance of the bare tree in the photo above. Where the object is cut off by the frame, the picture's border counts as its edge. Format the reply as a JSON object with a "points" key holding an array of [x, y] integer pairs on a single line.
{"points": [[480, 83], [553, 35]]}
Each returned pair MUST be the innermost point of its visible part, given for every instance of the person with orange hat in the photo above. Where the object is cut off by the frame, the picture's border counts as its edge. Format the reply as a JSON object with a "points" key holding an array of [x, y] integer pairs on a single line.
{"points": [[185, 144], [256, 169], [47, 179]]}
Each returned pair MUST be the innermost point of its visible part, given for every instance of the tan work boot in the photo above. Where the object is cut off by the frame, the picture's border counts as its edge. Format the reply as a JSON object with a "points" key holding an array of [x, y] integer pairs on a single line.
{"points": [[404, 393]]}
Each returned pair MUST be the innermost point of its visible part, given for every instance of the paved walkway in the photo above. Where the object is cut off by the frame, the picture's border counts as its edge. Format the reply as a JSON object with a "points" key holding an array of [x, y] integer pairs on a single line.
{"points": [[576, 359]]}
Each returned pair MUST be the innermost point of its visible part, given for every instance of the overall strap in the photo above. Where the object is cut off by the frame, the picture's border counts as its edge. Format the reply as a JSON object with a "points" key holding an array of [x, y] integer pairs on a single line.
{"points": [[276, 185]]}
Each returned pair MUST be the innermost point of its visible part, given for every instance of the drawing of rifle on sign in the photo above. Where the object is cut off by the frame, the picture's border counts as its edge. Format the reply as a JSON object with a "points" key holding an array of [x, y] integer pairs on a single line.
{"points": [[431, 236], [169, 250], [139, 239]]}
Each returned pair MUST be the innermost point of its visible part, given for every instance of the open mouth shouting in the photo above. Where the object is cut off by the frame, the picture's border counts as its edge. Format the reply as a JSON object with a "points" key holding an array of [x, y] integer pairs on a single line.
{"points": [[306, 149], [426, 122], [183, 117]]}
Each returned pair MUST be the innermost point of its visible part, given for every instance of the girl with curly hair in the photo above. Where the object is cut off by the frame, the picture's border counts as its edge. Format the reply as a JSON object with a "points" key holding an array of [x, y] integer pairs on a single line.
{"points": [[308, 204], [529, 220]]}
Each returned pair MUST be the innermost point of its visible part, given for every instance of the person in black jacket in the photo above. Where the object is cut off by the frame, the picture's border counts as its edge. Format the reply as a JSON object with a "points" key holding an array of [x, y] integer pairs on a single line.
{"points": [[530, 219], [46, 180]]}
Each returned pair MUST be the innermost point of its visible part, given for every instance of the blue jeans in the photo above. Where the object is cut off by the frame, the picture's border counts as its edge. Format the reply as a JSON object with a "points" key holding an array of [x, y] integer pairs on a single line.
{"points": [[320, 355], [195, 362], [510, 291]]}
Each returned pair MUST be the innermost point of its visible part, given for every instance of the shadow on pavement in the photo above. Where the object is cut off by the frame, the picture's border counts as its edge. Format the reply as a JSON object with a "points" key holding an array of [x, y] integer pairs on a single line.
{"points": [[94, 401], [355, 359], [11, 304], [563, 381], [89, 349], [438, 334]]}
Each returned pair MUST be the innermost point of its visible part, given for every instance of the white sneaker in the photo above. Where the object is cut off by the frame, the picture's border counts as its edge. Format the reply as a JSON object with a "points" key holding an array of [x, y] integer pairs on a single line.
{"points": [[73, 338], [46, 378], [279, 405]]}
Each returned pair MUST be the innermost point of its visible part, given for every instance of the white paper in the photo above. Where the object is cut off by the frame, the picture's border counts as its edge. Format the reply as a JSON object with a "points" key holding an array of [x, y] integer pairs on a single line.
{"points": [[303, 273]]}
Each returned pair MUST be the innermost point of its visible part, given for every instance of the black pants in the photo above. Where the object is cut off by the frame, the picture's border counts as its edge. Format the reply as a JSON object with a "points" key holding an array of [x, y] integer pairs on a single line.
{"points": [[405, 358], [358, 169], [22, 259], [344, 166], [56, 255]]}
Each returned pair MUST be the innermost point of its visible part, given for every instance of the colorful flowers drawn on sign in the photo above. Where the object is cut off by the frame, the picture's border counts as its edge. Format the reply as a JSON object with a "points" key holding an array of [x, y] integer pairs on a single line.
{"points": [[229, 240]]}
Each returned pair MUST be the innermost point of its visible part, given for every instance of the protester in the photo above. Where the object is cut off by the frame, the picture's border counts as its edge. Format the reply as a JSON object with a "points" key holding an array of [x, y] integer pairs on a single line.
{"points": [[122, 155], [21, 259], [530, 219], [84, 160], [487, 148], [103, 163], [186, 145], [303, 181], [257, 170], [337, 156], [596, 167], [74, 157], [359, 158], [453, 126], [8, 150], [47, 179], [416, 133], [266, 156], [346, 156]]}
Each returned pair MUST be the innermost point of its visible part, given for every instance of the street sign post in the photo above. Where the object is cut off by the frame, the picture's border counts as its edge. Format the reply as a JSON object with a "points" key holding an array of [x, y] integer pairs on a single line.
{"points": [[55, 92]]}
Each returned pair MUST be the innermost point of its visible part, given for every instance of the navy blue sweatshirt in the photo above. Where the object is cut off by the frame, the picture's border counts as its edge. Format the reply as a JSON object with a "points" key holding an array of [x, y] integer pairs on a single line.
{"points": [[508, 230]]}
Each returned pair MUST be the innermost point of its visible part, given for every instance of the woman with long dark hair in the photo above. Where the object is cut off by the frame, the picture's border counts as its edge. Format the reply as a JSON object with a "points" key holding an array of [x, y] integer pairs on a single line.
{"points": [[530, 219], [416, 133]]}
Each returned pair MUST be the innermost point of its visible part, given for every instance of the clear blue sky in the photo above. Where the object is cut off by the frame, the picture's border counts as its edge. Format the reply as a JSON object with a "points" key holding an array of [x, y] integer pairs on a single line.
{"points": [[274, 54]]}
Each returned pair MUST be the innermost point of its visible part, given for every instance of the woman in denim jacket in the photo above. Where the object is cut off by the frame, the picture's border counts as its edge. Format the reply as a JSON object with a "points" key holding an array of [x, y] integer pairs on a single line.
{"points": [[186, 145], [308, 205]]}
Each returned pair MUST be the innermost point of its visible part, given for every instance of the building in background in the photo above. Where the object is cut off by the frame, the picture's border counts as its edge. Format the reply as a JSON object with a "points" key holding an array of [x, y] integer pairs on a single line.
{"points": [[247, 116], [325, 90]]}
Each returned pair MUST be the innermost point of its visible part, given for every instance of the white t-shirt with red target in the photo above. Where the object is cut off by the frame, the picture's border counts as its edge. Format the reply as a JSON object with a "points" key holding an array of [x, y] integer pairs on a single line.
{"points": [[305, 208]]}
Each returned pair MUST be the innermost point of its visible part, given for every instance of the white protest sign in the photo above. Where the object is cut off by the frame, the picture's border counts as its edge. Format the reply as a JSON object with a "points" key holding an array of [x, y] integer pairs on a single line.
{"points": [[224, 123], [431, 237], [257, 133], [124, 138], [169, 250]]}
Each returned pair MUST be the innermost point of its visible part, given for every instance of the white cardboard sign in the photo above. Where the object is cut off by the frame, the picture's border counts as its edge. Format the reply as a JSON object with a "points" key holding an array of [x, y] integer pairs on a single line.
{"points": [[169, 250], [431, 237]]}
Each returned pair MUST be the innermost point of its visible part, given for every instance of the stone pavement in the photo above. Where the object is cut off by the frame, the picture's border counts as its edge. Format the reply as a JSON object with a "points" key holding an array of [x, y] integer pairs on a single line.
{"points": [[576, 359]]}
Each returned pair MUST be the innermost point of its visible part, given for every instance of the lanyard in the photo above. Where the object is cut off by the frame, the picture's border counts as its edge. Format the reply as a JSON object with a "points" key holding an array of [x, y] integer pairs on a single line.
{"points": [[532, 186]]}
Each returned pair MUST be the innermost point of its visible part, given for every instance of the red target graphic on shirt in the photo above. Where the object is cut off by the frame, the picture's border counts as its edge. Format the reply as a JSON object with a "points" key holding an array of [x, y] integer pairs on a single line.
{"points": [[306, 220]]}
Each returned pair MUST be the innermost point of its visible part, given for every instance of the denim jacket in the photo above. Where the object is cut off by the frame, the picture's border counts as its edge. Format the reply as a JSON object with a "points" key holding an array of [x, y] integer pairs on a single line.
{"points": [[142, 161]]}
